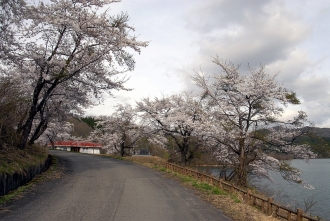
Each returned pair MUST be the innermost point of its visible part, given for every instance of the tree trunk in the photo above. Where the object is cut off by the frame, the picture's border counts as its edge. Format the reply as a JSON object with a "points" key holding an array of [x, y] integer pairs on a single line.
{"points": [[242, 174], [242, 167], [38, 131], [183, 157], [184, 151], [35, 108], [122, 150], [25, 130]]}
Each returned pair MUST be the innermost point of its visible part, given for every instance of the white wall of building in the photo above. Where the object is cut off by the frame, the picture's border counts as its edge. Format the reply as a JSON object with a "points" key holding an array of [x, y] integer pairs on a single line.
{"points": [[89, 150], [63, 148]]}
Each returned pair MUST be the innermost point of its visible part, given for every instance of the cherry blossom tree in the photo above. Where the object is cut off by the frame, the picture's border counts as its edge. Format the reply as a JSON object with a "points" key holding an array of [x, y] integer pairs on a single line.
{"points": [[178, 117], [245, 122], [11, 15], [119, 131], [70, 50], [56, 131], [12, 98], [13, 104]]}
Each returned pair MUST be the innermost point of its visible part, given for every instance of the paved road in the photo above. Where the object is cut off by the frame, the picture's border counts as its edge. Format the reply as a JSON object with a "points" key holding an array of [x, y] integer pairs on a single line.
{"points": [[99, 188]]}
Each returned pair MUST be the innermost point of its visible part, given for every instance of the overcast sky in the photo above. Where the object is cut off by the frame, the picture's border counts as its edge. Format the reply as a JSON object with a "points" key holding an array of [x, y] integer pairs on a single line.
{"points": [[291, 38]]}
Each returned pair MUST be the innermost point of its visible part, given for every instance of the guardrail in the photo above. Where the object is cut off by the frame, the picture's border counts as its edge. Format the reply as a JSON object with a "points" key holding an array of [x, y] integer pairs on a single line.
{"points": [[266, 205]]}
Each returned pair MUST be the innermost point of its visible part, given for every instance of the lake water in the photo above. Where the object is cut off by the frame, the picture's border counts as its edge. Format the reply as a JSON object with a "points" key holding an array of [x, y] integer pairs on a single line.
{"points": [[316, 173]]}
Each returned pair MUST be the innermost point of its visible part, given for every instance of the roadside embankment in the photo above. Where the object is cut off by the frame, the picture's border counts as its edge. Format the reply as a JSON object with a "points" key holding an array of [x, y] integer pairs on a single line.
{"points": [[18, 167]]}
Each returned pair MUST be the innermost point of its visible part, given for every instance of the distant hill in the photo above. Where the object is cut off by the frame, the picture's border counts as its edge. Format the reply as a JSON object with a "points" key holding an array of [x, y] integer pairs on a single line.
{"points": [[321, 132], [319, 140], [81, 129]]}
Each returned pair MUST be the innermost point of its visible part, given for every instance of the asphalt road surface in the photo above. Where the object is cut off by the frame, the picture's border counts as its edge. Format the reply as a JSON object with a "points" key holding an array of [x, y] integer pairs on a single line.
{"points": [[100, 188]]}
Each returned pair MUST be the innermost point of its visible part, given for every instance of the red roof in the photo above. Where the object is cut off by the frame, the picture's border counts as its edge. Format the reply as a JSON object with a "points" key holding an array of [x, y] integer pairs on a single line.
{"points": [[76, 144]]}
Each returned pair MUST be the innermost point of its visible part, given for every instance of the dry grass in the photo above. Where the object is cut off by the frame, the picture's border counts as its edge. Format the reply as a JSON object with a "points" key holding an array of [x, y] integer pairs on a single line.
{"points": [[231, 205], [15, 160], [149, 161], [236, 210], [81, 129]]}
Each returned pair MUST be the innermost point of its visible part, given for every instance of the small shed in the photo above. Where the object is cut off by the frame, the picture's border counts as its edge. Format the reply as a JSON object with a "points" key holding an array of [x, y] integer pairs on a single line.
{"points": [[77, 146]]}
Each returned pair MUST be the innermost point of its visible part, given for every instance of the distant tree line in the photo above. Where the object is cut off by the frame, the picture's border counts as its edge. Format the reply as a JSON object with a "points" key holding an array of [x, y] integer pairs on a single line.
{"points": [[320, 145]]}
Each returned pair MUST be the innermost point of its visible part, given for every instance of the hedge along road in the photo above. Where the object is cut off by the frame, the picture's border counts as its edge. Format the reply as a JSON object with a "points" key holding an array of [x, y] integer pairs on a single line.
{"points": [[100, 188]]}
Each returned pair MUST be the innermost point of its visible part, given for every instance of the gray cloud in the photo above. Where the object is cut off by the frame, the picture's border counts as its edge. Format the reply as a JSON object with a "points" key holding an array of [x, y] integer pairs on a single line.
{"points": [[206, 15], [260, 32], [289, 37], [245, 32]]}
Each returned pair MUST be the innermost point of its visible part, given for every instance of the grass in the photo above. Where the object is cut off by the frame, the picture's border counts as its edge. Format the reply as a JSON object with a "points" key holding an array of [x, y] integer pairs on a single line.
{"points": [[15, 160], [206, 188]]}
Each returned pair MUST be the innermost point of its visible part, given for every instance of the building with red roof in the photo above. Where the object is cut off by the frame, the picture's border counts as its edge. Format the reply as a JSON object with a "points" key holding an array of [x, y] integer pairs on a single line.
{"points": [[77, 146]]}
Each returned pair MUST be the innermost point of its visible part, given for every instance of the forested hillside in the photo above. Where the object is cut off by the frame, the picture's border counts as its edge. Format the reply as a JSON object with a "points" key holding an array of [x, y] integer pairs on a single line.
{"points": [[319, 140], [80, 128]]}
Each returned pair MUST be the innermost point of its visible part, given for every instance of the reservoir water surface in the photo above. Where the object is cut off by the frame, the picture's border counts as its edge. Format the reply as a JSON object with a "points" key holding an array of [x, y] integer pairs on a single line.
{"points": [[316, 173]]}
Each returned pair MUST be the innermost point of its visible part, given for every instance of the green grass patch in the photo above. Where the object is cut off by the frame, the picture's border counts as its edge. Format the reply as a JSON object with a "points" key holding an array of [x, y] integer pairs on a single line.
{"points": [[160, 168], [205, 187], [235, 199], [218, 191], [209, 189], [187, 179]]}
